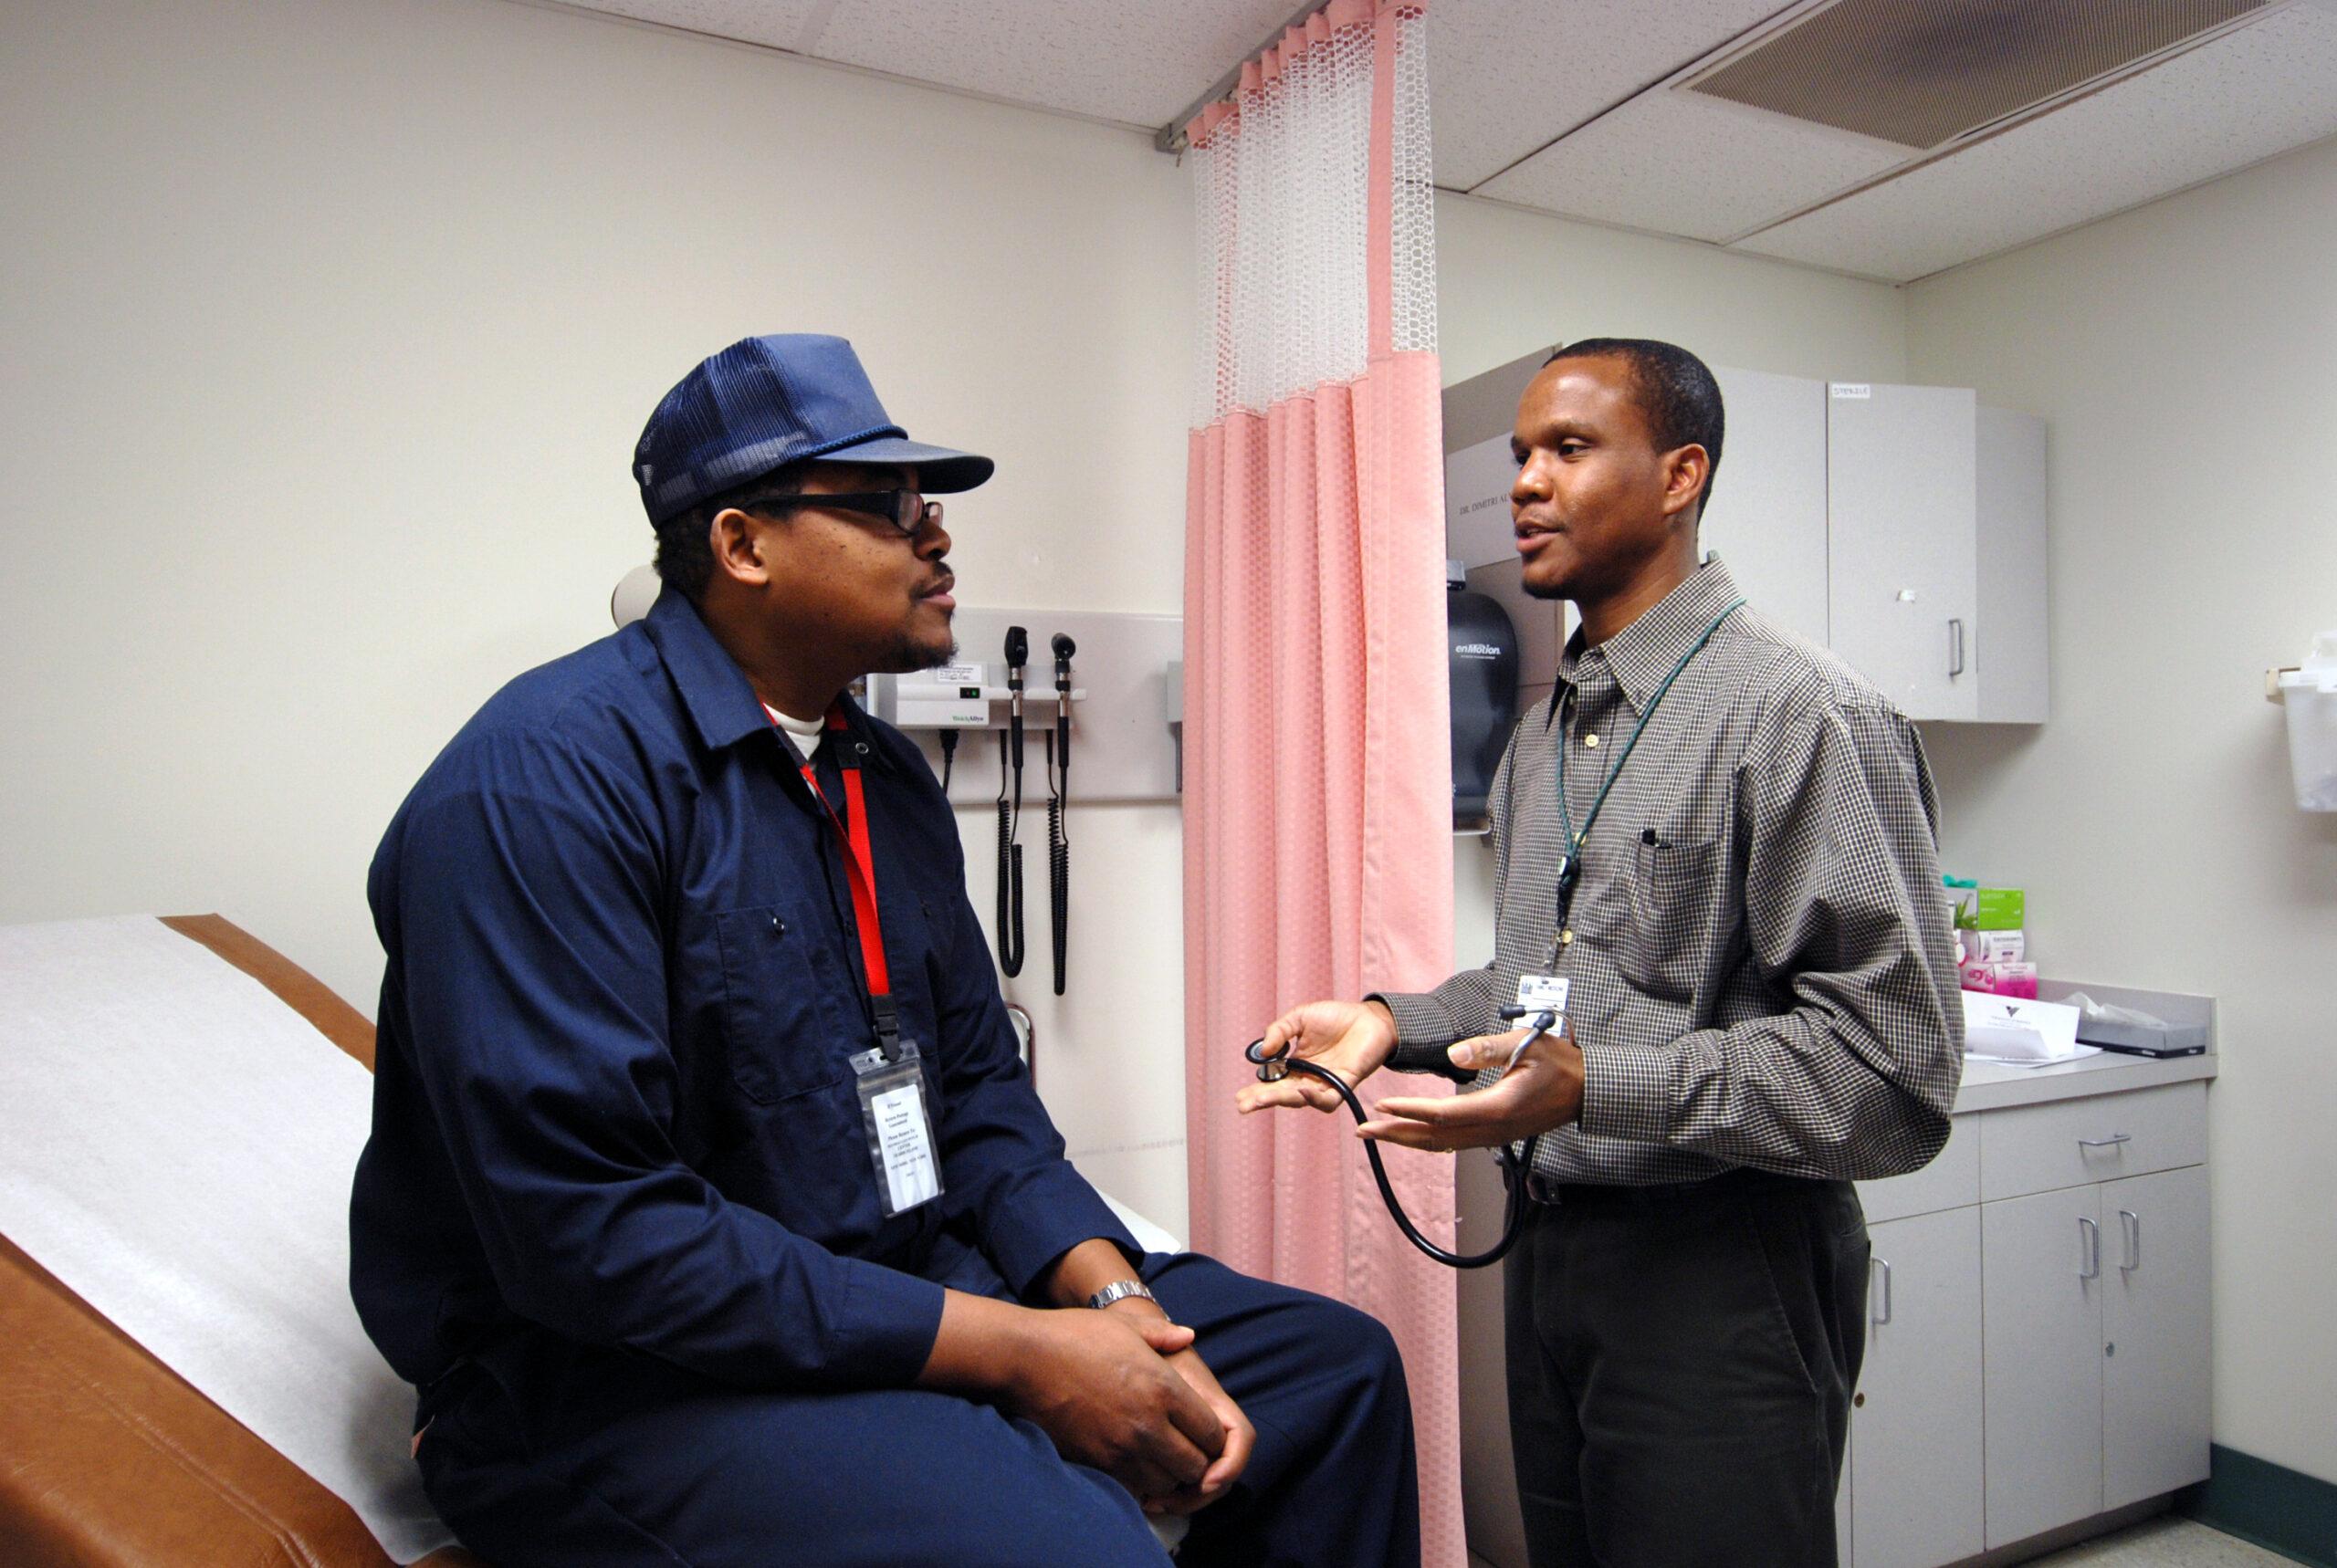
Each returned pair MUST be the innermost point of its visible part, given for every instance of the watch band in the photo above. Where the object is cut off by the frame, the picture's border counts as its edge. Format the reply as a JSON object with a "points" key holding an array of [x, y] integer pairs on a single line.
{"points": [[1120, 1290]]}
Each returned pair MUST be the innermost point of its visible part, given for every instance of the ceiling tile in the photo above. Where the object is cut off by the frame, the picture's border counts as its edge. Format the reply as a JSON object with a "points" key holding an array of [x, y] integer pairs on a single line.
{"points": [[1139, 61], [2259, 90], [1685, 166], [1506, 77], [778, 23]]}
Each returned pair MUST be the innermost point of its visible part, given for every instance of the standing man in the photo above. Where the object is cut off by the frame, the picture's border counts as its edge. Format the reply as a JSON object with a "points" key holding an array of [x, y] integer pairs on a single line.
{"points": [[707, 1202], [1724, 841]]}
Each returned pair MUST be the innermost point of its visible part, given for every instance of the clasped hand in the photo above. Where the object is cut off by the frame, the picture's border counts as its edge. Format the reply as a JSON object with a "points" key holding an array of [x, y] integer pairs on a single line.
{"points": [[1124, 1390]]}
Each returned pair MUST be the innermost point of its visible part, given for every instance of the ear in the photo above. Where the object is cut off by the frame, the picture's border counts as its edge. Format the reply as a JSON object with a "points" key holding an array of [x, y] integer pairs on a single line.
{"points": [[740, 547], [1686, 469]]}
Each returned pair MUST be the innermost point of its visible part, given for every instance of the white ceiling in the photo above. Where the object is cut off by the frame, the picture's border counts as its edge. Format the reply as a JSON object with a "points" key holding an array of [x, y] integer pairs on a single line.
{"points": [[1569, 107]]}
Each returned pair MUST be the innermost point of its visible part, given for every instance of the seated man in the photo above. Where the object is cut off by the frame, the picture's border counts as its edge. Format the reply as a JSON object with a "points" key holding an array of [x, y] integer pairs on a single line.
{"points": [[707, 1202]]}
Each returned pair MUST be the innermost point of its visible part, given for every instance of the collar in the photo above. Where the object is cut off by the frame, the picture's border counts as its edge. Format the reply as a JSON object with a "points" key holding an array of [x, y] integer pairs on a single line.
{"points": [[1646, 651], [722, 703]]}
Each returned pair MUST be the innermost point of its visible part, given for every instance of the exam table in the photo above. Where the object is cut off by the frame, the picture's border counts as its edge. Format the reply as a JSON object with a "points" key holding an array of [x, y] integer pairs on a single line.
{"points": [[107, 1456]]}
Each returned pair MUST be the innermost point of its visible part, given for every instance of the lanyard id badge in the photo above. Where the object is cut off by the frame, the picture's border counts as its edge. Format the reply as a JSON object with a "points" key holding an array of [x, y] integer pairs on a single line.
{"points": [[891, 1084], [900, 1132], [1544, 993]]}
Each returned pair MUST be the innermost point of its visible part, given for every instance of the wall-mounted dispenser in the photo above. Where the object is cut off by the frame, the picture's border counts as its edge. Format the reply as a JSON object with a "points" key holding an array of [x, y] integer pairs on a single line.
{"points": [[2309, 693], [1482, 644]]}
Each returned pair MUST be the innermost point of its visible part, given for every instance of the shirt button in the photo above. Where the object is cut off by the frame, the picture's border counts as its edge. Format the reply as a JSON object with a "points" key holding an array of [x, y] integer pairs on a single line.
{"points": [[1590, 740], [777, 926]]}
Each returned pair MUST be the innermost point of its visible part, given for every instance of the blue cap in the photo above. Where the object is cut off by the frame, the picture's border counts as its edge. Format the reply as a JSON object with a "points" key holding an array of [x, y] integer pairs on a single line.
{"points": [[764, 403]]}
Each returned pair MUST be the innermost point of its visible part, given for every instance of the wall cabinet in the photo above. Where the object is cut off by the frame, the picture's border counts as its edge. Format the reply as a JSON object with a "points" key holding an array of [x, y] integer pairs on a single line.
{"points": [[1902, 526], [1767, 512], [1902, 487]]}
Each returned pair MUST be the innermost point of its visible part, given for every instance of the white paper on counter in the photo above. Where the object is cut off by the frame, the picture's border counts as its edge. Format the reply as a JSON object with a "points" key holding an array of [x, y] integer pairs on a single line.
{"points": [[2019, 1032], [176, 1145]]}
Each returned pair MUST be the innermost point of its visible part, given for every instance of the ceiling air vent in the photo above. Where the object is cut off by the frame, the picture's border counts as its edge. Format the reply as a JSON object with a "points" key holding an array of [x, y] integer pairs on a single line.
{"points": [[1922, 73]]}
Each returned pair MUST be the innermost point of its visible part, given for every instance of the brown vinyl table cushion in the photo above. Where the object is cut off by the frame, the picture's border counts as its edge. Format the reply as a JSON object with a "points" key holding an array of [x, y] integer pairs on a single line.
{"points": [[109, 1458]]}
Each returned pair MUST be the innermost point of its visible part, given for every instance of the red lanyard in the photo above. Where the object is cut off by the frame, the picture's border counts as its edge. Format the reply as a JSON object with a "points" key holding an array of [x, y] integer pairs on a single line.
{"points": [[860, 866]]}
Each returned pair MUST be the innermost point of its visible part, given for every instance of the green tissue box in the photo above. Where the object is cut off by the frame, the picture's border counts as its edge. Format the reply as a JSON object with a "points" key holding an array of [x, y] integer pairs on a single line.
{"points": [[1988, 908]]}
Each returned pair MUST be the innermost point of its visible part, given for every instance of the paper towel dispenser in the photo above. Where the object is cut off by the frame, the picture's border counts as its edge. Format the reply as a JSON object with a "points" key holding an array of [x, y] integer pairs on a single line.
{"points": [[1480, 644]]}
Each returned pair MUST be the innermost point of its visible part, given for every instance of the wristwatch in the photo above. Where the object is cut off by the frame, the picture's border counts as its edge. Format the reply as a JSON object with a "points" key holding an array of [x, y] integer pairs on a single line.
{"points": [[1120, 1290]]}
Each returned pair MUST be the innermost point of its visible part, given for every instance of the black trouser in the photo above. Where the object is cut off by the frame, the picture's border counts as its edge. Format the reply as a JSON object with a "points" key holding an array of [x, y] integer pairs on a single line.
{"points": [[1681, 1362]]}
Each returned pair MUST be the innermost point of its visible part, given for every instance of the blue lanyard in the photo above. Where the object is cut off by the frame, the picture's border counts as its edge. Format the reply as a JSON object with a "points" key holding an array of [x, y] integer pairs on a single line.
{"points": [[1570, 862]]}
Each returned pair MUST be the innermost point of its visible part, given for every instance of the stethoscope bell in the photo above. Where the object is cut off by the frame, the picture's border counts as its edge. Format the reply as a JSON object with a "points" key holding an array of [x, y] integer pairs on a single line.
{"points": [[1271, 1069]]}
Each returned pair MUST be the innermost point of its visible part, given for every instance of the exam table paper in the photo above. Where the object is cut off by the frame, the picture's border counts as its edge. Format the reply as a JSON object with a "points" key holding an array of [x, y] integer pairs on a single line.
{"points": [[176, 1145]]}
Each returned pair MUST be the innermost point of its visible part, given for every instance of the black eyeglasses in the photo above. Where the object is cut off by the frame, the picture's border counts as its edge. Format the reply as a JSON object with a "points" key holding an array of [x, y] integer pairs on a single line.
{"points": [[905, 510]]}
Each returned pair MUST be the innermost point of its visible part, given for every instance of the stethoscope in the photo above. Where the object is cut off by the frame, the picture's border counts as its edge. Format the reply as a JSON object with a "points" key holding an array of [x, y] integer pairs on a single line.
{"points": [[1275, 1068]]}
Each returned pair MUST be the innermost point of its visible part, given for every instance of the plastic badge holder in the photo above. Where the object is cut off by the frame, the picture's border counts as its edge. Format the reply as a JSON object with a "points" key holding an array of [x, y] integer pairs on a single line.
{"points": [[2309, 693]]}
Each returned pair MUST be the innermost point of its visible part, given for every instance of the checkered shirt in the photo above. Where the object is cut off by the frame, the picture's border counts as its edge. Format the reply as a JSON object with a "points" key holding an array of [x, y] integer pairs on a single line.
{"points": [[1764, 972]]}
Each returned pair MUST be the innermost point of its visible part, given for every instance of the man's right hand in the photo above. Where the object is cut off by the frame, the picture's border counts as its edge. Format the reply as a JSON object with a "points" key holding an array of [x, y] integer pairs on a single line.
{"points": [[1351, 1039], [1099, 1385]]}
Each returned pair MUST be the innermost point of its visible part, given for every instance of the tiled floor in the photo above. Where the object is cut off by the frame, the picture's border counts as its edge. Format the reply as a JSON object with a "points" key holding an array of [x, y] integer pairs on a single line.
{"points": [[2166, 1542], [2163, 1542]]}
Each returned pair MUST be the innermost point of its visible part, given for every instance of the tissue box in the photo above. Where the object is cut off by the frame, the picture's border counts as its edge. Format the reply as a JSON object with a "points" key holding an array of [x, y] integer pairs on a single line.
{"points": [[1987, 946], [2001, 979], [1991, 909]]}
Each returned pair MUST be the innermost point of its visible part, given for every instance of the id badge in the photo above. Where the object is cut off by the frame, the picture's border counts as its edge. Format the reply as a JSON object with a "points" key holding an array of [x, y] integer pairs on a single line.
{"points": [[900, 1131], [1544, 993]]}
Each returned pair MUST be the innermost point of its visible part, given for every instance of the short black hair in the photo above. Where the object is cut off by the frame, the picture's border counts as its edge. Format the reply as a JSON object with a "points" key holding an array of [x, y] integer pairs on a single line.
{"points": [[1675, 389], [685, 558]]}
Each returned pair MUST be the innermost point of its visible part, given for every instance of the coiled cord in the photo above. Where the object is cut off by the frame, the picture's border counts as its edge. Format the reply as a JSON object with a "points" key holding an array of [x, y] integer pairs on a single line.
{"points": [[1059, 886], [1010, 890]]}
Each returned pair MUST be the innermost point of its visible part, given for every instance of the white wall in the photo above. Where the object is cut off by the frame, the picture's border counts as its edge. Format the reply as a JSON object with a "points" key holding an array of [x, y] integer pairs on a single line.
{"points": [[329, 326], [2182, 356]]}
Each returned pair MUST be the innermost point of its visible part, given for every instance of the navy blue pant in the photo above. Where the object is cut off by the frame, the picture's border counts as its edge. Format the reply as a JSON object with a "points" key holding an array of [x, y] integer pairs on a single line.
{"points": [[549, 1453]]}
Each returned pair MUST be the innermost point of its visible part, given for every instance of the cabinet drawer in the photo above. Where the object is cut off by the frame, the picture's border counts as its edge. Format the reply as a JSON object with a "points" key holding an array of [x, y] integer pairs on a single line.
{"points": [[2039, 1148], [1950, 1181]]}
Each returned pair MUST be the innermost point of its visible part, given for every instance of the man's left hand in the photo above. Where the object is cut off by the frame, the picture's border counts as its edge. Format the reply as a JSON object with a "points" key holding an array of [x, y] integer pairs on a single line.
{"points": [[1240, 1435], [1542, 1092]]}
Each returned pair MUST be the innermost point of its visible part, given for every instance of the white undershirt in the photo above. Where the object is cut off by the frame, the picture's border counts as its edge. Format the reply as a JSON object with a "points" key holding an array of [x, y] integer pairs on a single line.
{"points": [[806, 731]]}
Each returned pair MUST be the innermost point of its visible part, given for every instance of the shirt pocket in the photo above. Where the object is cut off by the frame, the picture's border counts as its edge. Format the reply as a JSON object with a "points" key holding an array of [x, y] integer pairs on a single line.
{"points": [[781, 1025], [1675, 889]]}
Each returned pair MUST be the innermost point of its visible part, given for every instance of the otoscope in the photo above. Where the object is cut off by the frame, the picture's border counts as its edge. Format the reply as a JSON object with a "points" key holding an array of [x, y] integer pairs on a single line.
{"points": [[1058, 798], [1282, 1064], [1010, 817]]}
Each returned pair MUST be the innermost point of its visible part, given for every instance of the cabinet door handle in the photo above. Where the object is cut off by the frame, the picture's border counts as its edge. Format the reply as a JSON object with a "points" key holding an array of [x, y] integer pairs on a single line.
{"points": [[2090, 1247], [2131, 1224], [2110, 1142], [1882, 1296], [1955, 647]]}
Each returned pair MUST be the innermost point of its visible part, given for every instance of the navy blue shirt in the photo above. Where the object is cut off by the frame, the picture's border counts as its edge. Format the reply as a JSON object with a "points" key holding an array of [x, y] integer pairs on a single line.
{"points": [[612, 1094]]}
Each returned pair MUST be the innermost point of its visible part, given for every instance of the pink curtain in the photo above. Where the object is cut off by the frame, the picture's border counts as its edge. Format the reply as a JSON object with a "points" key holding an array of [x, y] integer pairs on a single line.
{"points": [[1318, 806]]}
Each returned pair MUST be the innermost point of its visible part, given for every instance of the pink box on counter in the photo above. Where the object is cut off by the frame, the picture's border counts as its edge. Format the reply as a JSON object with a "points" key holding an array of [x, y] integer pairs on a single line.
{"points": [[2002, 979]]}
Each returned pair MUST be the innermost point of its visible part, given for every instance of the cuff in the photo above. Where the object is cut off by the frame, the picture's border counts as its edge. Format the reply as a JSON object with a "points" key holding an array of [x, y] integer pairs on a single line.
{"points": [[1424, 1029], [1047, 1218], [888, 1326], [1627, 1093]]}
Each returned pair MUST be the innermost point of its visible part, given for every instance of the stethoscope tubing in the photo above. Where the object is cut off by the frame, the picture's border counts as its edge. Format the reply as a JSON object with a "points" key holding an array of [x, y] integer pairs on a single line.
{"points": [[1271, 1068]]}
